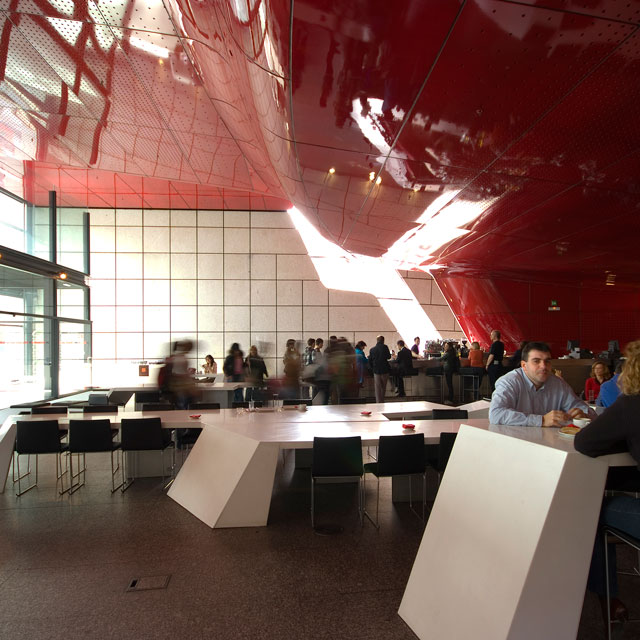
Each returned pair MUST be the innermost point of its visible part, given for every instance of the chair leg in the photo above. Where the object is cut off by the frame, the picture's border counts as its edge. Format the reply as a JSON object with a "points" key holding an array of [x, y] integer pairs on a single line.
{"points": [[606, 577], [375, 522], [114, 471], [19, 478], [24, 475], [313, 524], [81, 472], [124, 485], [62, 474]]}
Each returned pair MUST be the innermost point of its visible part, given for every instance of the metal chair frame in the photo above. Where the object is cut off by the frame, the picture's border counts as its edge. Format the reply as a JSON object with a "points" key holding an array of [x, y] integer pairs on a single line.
{"points": [[626, 539]]}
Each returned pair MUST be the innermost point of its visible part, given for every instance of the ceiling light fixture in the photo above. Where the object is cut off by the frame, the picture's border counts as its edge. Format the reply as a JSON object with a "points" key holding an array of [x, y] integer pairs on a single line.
{"points": [[332, 170], [372, 176], [378, 180], [62, 275]]}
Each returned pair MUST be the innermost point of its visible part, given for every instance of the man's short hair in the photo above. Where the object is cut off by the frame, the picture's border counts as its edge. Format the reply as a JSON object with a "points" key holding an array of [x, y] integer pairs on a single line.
{"points": [[496, 333], [380, 339], [401, 343], [535, 346], [416, 338], [311, 341]]}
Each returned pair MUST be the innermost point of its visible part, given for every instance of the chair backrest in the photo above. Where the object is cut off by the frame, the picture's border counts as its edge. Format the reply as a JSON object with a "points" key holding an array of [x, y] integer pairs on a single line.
{"points": [[39, 411], [100, 408], [206, 405], [449, 414], [447, 440], [142, 434], [157, 406], [144, 396], [401, 455], [337, 457], [240, 405], [37, 436], [119, 397], [90, 435]]}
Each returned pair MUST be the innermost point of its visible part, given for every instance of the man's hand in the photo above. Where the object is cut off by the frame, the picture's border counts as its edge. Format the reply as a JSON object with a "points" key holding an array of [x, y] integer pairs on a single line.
{"points": [[577, 413], [555, 418]]}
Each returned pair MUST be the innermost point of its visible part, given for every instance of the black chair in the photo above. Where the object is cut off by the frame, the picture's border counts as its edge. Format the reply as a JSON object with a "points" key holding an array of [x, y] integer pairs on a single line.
{"points": [[398, 456], [143, 434], [143, 397], [100, 408], [48, 410], [611, 534], [464, 374], [292, 402], [157, 406], [337, 458], [88, 436], [240, 405], [35, 438], [205, 405], [438, 373], [447, 440], [449, 414]]}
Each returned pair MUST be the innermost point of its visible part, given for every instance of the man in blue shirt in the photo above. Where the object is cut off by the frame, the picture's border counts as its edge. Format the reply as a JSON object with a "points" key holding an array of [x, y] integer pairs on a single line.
{"points": [[609, 391], [532, 396]]}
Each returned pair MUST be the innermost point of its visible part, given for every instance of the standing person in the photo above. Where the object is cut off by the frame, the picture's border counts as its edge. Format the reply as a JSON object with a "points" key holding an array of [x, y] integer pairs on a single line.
{"points": [[415, 347], [362, 363], [379, 360], [450, 365], [309, 358], [599, 373], [614, 431], [404, 361], [494, 361], [476, 361], [233, 369], [292, 367], [176, 381], [256, 373], [319, 344], [514, 360]]}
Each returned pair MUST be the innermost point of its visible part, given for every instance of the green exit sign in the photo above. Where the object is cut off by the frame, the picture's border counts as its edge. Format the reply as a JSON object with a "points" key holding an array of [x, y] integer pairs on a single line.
{"points": [[554, 303]]}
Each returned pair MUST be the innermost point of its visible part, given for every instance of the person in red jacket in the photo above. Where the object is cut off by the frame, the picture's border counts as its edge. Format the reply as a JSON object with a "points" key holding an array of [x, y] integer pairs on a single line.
{"points": [[599, 373]]}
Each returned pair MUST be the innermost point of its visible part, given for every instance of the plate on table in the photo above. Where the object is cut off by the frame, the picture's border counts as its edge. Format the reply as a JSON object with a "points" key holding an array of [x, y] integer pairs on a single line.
{"points": [[569, 431]]}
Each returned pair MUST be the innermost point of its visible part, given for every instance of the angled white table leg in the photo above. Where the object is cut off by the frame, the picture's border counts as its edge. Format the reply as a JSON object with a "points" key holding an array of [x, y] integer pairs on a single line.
{"points": [[227, 479], [507, 548]]}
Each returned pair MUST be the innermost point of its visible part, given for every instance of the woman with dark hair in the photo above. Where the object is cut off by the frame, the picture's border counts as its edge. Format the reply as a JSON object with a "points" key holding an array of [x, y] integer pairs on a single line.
{"points": [[614, 431], [450, 365]]}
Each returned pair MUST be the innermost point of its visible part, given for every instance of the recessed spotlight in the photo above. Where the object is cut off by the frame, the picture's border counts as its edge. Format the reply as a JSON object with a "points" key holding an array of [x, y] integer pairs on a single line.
{"points": [[62, 275], [332, 170], [378, 180], [160, 61], [372, 176]]}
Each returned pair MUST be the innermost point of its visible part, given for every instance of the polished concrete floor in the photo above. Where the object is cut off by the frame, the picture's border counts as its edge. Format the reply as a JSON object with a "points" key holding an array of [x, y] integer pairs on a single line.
{"points": [[66, 564]]}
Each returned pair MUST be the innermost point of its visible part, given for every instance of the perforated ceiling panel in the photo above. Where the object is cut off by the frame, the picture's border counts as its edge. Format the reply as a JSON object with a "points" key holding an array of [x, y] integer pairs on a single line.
{"points": [[483, 136]]}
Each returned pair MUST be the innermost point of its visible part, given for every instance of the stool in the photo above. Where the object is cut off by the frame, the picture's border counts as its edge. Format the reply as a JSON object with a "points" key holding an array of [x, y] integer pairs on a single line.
{"points": [[464, 374], [626, 539], [437, 372]]}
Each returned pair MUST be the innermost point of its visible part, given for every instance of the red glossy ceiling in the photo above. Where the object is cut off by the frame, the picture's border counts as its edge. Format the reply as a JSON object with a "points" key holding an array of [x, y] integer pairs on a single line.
{"points": [[523, 114]]}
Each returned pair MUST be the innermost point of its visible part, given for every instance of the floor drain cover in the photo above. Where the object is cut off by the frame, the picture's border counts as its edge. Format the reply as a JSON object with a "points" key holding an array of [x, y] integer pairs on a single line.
{"points": [[146, 583]]}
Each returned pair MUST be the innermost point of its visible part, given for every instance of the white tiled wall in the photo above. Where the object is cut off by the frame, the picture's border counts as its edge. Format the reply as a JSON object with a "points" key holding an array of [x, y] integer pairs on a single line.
{"points": [[219, 277]]}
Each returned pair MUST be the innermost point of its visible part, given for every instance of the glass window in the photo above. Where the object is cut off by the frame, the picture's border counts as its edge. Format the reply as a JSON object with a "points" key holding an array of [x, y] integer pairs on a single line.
{"points": [[75, 356], [71, 235], [23, 227]]}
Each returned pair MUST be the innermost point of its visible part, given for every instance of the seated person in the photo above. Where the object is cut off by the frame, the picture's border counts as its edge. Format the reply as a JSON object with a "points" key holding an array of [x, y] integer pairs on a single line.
{"points": [[609, 390], [599, 373], [615, 431], [533, 397]]}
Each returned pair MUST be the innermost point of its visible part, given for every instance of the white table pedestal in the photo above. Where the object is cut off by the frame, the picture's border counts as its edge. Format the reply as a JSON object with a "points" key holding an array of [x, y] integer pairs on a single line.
{"points": [[507, 548]]}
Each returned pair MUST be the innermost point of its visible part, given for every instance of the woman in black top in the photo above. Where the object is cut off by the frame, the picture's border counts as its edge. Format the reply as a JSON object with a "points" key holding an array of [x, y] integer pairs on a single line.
{"points": [[615, 431], [494, 361], [450, 365]]}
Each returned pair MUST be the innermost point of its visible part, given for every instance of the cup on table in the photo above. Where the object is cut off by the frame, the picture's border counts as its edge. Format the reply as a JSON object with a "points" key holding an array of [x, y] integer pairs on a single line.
{"points": [[252, 405]]}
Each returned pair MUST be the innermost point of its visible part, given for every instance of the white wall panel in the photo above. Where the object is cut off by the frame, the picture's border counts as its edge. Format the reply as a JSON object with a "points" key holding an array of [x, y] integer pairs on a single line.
{"points": [[183, 240], [210, 265], [289, 318], [210, 240], [102, 239], [104, 319], [421, 289], [102, 217], [129, 346], [436, 297], [236, 218], [156, 345], [156, 239], [263, 292], [236, 240], [265, 341], [289, 292], [236, 266], [183, 292], [210, 292], [263, 267], [103, 292], [128, 239], [128, 319], [263, 319], [315, 320], [184, 319], [207, 218], [183, 218], [156, 292], [351, 298], [156, 217], [237, 318], [280, 241], [236, 292], [183, 266], [343, 319], [210, 319], [271, 220], [441, 317], [292, 267], [128, 292], [128, 266], [314, 293], [157, 318], [128, 217]]}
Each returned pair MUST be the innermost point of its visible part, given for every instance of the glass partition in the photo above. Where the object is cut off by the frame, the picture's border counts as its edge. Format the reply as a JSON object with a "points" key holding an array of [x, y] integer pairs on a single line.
{"points": [[72, 237]]}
